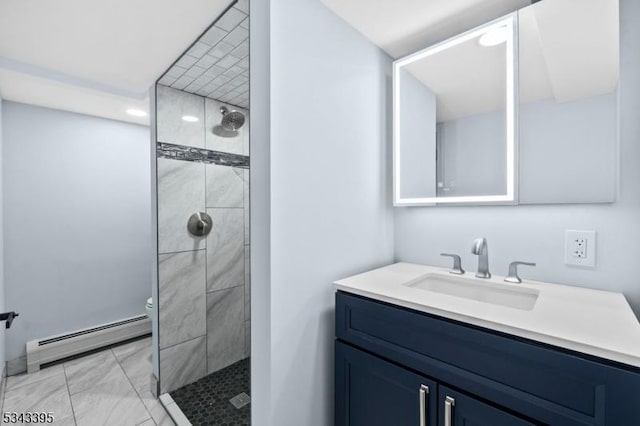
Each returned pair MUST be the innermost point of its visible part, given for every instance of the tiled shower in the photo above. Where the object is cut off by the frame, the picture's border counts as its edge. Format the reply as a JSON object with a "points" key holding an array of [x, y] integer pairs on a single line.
{"points": [[203, 169], [204, 293]]}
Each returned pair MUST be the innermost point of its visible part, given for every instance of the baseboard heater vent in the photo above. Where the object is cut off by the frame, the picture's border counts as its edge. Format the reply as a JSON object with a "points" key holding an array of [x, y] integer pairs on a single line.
{"points": [[55, 348]]}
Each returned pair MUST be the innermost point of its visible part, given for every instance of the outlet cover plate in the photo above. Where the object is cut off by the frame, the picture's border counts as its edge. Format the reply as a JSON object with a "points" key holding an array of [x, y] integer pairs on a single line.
{"points": [[580, 248]]}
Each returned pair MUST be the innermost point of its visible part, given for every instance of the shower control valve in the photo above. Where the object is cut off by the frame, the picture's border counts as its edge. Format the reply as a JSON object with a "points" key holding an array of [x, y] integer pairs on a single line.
{"points": [[199, 224]]}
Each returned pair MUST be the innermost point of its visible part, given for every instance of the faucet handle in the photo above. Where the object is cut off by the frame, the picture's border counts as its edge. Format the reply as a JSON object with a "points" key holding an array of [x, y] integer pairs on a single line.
{"points": [[457, 263], [513, 271]]}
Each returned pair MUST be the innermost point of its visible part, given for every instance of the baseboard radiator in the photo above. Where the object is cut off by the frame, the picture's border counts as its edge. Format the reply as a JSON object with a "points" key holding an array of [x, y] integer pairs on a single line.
{"points": [[55, 348]]}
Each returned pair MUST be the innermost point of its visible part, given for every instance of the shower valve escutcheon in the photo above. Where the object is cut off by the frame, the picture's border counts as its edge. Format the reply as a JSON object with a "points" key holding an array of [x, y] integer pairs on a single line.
{"points": [[199, 224]]}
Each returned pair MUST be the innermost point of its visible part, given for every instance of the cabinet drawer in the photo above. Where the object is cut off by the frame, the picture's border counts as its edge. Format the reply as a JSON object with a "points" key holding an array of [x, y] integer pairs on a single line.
{"points": [[543, 383]]}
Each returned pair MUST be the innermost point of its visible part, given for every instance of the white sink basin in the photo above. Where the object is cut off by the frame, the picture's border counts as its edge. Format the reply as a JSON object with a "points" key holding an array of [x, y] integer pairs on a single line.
{"points": [[479, 290]]}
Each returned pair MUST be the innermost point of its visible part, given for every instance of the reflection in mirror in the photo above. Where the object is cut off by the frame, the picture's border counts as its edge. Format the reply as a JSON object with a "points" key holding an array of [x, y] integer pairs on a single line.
{"points": [[569, 68], [454, 136]]}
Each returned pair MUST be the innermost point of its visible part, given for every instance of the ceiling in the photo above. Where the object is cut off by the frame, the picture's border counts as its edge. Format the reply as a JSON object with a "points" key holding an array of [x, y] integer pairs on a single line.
{"points": [[401, 27], [217, 65], [33, 90], [95, 57]]}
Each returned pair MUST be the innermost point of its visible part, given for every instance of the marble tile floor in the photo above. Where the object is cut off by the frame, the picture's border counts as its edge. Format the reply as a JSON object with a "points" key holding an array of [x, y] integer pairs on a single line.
{"points": [[110, 387]]}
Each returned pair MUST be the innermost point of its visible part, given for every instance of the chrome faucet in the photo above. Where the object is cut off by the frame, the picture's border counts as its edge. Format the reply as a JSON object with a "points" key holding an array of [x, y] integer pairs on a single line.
{"points": [[481, 249]]}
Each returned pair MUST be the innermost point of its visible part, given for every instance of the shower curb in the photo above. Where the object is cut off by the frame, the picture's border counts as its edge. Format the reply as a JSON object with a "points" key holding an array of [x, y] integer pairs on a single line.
{"points": [[174, 410]]}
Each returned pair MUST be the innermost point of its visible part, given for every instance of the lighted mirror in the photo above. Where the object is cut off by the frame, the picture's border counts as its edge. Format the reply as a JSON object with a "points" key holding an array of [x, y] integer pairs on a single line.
{"points": [[454, 115]]}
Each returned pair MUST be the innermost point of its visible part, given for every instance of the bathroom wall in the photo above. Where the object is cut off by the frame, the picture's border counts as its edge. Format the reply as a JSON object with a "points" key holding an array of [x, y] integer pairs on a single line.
{"points": [[472, 155], [567, 138], [537, 232], [76, 228], [329, 209], [418, 132], [204, 285]]}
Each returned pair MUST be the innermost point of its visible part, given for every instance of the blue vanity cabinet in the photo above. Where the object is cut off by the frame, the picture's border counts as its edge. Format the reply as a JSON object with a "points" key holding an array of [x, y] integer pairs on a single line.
{"points": [[386, 353], [373, 392]]}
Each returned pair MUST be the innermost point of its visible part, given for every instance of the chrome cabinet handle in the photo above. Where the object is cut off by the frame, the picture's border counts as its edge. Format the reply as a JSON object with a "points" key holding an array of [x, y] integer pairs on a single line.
{"points": [[424, 394], [457, 263], [449, 403]]}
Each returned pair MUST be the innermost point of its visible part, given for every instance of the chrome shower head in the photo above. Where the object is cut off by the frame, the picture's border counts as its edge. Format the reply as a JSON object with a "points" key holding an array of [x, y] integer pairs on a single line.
{"points": [[231, 120]]}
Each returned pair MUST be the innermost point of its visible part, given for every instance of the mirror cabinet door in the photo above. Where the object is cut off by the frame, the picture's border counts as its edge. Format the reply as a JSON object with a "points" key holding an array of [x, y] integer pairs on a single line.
{"points": [[454, 115], [569, 68]]}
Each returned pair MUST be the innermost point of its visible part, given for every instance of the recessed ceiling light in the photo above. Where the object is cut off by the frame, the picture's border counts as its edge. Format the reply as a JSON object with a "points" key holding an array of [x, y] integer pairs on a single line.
{"points": [[136, 112], [494, 37], [190, 118]]}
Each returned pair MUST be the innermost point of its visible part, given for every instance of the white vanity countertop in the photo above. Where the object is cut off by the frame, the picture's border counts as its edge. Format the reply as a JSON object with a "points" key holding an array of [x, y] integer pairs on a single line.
{"points": [[599, 323]]}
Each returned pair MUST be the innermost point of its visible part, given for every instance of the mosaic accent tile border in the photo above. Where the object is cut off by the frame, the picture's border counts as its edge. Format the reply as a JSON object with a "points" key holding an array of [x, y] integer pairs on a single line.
{"points": [[199, 155]]}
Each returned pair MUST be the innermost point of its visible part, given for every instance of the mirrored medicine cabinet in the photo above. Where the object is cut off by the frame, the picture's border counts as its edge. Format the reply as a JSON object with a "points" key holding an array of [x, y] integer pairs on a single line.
{"points": [[521, 110]]}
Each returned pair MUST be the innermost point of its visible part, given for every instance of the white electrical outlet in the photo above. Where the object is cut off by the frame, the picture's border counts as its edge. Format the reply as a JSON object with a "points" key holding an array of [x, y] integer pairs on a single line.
{"points": [[580, 248]]}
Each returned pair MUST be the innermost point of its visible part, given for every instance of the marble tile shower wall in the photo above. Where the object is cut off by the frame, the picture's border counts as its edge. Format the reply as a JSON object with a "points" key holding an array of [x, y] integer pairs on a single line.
{"points": [[204, 283]]}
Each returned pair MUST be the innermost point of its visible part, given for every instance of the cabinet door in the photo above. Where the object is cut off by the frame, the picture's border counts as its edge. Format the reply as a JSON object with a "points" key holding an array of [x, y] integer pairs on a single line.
{"points": [[457, 409], [374, 392]]}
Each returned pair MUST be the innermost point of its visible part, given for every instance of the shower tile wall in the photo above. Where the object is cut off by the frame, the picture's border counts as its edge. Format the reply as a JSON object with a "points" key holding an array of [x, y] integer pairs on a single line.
{"points": [[203, 282], [225, 323], [174, 104], [181, 192], [183, 364], [225, 249], [182, 282]]}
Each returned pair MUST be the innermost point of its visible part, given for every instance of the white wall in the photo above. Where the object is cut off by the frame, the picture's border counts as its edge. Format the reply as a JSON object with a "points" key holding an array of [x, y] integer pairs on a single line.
{"points": [[330, 209], [536, 233], [473, 155], [260, 215], [568, 150], [417, 112], [76, 221]]}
